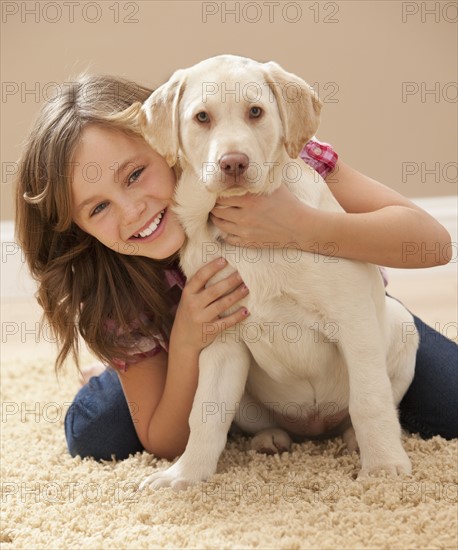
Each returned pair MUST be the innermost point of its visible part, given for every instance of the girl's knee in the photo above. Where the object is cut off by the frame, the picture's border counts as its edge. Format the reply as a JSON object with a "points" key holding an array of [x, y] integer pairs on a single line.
{"points": [[98, 423], [83, 429]]}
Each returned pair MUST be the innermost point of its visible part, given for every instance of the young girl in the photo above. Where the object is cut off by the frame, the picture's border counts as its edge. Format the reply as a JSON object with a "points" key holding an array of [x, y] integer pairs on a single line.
{"points": [[94, 220]]}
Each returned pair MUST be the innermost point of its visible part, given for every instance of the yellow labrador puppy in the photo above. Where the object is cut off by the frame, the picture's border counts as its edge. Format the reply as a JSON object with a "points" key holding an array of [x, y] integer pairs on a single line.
{"points": [[323, 343]]}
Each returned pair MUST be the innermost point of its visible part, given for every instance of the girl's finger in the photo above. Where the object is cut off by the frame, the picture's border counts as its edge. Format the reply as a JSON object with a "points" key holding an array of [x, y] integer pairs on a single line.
{"points": [[220, 325], [219, 289], [204, 274], [222, 223], [222, 304], [234, 201]]}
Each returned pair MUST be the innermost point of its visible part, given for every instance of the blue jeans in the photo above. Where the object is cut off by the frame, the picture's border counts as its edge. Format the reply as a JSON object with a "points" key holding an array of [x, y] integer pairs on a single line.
{"points": [[98, 423]]}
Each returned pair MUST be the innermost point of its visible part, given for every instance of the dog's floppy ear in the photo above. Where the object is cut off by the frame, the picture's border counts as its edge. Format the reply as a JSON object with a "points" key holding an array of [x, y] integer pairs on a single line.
{"points": [[159, 117], [298, 104]]}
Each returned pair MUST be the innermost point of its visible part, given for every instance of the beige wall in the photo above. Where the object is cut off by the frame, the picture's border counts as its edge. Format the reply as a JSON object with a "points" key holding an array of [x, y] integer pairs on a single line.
{"points": [[361, 54]]}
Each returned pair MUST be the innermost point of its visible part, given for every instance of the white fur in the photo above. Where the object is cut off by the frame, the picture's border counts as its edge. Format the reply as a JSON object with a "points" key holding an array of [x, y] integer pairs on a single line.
{"points": [[323, 343]]}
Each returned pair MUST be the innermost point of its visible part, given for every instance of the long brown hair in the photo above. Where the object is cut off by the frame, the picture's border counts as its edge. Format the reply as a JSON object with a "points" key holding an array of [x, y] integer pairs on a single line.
{"points": [[83, 286]]}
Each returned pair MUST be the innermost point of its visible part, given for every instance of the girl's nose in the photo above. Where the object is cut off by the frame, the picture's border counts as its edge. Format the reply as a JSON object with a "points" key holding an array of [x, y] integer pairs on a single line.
{"points": [[132, 211]]}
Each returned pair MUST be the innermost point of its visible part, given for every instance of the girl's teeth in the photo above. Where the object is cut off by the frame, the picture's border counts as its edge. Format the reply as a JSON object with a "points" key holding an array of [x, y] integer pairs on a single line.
{"points": [[149, 230], [152, 227]]}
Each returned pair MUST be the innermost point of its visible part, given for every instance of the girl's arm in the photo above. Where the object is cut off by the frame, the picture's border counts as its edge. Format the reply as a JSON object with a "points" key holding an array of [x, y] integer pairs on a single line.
{"points": [[379, 226], [160, 390]]}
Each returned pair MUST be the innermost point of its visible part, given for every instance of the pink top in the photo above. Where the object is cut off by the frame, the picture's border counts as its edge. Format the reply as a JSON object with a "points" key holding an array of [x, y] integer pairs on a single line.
{"points": [[321, 157]]}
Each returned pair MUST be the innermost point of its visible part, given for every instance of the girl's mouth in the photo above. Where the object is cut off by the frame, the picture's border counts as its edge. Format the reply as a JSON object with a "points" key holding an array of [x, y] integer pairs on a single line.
{"points": [[151, 229]]}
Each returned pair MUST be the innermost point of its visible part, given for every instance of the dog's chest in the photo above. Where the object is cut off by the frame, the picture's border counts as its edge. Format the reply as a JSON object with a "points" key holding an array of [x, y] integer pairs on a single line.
{"points": [[288, 340]]}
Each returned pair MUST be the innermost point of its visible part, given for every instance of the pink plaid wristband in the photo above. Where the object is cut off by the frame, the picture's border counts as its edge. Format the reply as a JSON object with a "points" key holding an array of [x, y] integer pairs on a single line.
{"points": [[320, 156]]}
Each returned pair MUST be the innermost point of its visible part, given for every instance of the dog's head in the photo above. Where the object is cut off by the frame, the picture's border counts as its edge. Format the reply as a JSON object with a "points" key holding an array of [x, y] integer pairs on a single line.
{"points": [[231, 118]]}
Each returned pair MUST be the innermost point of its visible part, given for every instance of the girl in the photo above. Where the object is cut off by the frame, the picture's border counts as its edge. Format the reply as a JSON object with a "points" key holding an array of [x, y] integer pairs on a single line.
{"points": [[94, 220]]}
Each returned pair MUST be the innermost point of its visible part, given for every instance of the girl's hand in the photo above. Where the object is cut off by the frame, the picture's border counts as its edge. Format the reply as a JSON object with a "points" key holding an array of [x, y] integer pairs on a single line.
{"points": [[197, 321], [263, 221]]}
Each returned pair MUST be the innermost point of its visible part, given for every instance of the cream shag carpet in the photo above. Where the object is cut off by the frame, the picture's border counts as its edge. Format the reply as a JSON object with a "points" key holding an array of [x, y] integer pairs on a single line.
{"points": [[306, 499]]}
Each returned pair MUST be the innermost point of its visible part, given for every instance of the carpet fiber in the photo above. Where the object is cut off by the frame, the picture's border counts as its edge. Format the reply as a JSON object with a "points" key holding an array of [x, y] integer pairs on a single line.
{"points": [[306, 499]]}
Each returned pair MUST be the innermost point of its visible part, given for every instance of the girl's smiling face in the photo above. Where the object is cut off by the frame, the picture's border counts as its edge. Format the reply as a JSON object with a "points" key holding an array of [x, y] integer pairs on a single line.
{"points": [[122, 192]]}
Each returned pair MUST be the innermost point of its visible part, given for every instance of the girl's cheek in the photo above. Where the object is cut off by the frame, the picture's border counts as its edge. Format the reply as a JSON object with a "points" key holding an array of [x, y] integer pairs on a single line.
{"points": [[110, 230]]}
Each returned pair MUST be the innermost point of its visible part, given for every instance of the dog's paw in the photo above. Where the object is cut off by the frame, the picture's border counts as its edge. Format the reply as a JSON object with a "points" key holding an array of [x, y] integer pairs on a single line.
{"points": [[271, 442], [349, 438], [400, 465], [172, 477]]}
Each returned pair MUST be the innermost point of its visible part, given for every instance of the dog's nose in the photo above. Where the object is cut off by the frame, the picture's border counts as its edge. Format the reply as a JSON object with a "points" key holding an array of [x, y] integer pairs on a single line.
{"points": [[234, 164]]}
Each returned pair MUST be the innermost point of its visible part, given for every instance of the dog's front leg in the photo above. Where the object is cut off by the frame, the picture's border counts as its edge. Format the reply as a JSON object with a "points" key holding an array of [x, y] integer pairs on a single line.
{"points": [[223, 371], [371, 405]]}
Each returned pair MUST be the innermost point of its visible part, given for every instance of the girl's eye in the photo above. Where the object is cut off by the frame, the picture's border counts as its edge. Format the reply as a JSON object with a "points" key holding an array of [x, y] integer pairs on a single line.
{"points": [[202, 117], [255, 112], [99, 209], [135, 175]]}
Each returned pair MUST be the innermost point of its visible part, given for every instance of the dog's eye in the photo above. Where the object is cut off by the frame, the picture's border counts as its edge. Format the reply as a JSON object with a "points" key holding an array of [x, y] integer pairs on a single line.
{"points": [[255, 112], [202, 117]]}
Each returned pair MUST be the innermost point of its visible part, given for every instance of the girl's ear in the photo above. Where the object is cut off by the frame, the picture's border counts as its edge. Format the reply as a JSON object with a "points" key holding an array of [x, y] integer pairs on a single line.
{"points": [[159, 117], [298, 104]]}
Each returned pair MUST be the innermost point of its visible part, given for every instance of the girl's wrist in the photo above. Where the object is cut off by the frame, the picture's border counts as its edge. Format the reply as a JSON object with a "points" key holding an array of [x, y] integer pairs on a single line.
{"points": [[320, 231], [186, 342], [183, 347]]}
